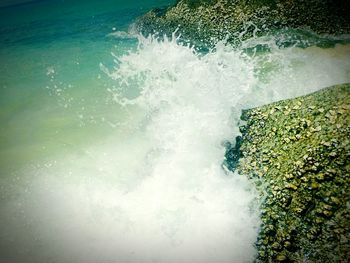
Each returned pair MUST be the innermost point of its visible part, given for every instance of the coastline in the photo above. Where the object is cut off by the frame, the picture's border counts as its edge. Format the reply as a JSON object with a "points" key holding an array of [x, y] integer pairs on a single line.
{"points": [[297, 152], [207, 21]]}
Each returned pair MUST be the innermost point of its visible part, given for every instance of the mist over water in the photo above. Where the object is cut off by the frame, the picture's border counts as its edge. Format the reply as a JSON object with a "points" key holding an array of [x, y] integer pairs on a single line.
{"points": [[122, 161]]}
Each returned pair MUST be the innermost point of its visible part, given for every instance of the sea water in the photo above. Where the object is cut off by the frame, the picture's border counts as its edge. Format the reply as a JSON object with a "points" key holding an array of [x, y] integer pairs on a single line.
{"points": [[112, 144]]}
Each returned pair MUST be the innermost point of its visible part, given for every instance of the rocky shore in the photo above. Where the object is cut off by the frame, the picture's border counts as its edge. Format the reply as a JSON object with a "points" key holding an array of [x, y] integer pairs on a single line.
{"points": [[297, 152], [208, 21]]}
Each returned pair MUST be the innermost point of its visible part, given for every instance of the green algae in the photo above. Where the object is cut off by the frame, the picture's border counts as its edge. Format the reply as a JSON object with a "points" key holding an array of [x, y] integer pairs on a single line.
{"points": [[298, 153]]}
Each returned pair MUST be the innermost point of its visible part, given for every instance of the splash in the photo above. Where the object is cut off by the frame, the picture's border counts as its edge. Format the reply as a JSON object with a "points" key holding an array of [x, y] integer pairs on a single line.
{"points": [[156, 190]]}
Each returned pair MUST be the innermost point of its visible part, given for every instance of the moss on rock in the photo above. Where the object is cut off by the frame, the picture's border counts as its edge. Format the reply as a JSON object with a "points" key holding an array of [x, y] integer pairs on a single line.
{"points": [[211, 20], [298, 153]]}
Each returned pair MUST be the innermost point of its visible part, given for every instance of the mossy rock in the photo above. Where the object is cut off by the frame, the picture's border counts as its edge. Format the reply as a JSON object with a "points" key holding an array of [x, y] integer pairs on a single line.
{"points": [[298, 153], [207, 21]]}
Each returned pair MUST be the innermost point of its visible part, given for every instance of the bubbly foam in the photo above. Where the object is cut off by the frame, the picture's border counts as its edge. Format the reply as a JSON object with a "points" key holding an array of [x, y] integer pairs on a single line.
{"points": [[156, 191]]}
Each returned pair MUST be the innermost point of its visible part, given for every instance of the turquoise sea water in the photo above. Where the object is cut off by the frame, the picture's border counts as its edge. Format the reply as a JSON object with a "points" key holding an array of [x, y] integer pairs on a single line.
{"points": [[50, 54], [112, 144]]}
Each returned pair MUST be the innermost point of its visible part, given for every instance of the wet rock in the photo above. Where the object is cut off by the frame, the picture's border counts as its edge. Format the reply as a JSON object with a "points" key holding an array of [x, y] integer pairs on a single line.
{"points": [[207, 21], [281, 258], [304, 182]]}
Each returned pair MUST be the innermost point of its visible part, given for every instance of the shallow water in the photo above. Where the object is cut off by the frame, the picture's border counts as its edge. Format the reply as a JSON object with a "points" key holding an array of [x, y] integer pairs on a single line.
{"points": [[112, 144]]}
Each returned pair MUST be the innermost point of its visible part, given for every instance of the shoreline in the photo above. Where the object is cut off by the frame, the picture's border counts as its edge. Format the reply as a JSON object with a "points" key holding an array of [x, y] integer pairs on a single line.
{"points": [[297, 152]]}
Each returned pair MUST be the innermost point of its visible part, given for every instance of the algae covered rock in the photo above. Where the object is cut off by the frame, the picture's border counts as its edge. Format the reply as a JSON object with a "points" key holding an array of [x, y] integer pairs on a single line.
{"points": [[211, 20], [298, 153]]}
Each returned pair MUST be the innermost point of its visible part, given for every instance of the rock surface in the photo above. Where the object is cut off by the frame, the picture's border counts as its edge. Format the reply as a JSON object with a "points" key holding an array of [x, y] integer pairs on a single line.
{"points": [[298, 153], [211, 20]]}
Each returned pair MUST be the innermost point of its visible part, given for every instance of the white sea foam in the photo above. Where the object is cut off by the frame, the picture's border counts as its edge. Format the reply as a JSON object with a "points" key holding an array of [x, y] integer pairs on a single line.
{"points": [[158, 192], [122, 35]]}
